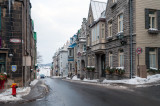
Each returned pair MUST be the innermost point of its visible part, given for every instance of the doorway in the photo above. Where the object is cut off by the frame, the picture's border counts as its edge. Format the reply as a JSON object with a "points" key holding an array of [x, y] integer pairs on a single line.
{"points": [[2, 62], [103, 65]]}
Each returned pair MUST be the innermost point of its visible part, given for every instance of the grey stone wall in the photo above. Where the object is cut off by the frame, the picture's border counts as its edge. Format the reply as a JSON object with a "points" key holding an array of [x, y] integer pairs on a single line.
{"points": [[114, 44]]}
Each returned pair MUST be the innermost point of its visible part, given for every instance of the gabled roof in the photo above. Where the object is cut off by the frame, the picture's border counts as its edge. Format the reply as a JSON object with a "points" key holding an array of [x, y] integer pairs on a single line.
{"points": [[97, 8]]}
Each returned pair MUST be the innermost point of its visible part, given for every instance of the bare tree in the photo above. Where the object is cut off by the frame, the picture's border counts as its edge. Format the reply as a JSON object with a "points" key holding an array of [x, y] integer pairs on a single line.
{"points": [[39, 58]]}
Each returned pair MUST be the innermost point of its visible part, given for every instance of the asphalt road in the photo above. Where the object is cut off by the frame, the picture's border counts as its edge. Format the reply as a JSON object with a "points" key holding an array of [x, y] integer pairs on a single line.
{"points": [[64, 93]]}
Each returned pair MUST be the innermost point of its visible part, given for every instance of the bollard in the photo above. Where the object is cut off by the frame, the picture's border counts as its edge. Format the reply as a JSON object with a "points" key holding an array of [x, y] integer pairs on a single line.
{"points": [[14, 86]]}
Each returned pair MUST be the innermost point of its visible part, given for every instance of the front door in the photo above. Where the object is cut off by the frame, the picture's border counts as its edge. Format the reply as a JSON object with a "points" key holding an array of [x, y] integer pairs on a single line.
{"points": [[103, 65], [2, 62]]}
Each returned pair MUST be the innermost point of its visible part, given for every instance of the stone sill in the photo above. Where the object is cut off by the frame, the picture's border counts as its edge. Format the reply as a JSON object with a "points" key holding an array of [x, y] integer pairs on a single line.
{"points": [[153, 31], [109, 38]]}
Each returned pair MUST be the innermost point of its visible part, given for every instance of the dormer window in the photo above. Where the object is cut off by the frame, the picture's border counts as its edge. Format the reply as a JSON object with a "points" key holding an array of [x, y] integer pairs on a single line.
{"points": [[114, 1]]}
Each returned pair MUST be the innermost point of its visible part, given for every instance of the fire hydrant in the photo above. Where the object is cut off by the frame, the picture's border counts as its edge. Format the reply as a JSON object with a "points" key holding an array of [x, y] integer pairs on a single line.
{"points": [[14, 86]]}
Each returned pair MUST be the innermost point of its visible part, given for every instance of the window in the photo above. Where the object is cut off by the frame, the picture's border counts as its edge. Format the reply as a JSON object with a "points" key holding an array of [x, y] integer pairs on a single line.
{"points": [[152, 19], [84, 47], [103, 32], [70, 52], [97, 32], [121, 58], [110, 59], [110, 28], [120, 23], [152, 58]]}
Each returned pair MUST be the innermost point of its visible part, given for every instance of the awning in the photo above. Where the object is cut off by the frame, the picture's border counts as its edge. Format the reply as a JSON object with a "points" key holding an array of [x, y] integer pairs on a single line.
{"points": [[73, 45], [70, 59]]}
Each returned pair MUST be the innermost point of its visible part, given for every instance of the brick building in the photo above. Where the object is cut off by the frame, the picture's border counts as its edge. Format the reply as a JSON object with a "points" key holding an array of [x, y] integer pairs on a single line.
{"points": [[17, 41]]}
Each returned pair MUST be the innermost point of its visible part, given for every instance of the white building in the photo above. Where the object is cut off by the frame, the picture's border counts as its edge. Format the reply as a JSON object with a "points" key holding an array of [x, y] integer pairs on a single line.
{"points": [[63, 60]]}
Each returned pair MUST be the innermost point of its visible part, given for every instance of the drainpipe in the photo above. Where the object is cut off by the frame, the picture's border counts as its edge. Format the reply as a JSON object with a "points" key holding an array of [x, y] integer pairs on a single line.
{"points": [[131, 42]]}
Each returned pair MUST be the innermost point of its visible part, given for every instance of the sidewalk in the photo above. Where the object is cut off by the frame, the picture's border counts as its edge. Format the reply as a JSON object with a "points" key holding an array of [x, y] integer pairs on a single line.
{"points": [[36, 90], [153, 80]]}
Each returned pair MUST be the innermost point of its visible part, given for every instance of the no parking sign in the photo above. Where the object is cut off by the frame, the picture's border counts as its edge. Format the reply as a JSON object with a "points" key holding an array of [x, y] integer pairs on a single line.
{"points": [[139, 50]]}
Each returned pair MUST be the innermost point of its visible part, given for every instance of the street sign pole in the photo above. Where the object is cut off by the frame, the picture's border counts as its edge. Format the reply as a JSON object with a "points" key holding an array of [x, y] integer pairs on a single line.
{"points": [[139, 51], [138, 67]]}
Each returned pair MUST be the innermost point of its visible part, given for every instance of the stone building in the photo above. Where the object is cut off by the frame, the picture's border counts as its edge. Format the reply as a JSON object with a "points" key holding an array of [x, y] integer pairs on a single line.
{"points": [[17, 41], [96, 38], [81, 49], [55, 64], [132, 24], [63, 60], [118, 50], [72, 60]]}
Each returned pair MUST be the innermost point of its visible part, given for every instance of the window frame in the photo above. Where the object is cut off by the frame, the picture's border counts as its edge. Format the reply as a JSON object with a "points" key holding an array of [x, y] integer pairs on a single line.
{"points": [[151, 53], [151, 16], [110, 29], [120, 27], [121, 53], [110, 59]]}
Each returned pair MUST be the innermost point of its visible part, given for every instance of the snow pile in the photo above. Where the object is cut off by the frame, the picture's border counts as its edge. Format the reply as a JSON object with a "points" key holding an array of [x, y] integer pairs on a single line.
{"points": [[57, 77], [75, 78], [7, 97], [68, 78], [136, 80], [34, 82], [86, 80]]}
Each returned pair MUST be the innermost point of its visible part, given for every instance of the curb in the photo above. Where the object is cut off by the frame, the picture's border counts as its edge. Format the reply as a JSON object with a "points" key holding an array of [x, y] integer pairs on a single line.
{"points": [[130, 86]]}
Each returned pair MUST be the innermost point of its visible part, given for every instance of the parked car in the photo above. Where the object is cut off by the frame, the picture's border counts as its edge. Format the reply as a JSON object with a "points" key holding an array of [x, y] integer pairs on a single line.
{"points": [[42, 76]]}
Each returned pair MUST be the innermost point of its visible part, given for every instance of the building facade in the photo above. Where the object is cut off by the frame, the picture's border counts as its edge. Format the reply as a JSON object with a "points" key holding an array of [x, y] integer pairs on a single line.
{"points": [[64, 60], [81, 50], [17, 41], [72, 51], [96, 39]]}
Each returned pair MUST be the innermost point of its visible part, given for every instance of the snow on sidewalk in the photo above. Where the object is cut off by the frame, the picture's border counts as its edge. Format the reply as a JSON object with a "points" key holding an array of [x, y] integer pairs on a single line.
{"points": [[136, 80], [57, 77], [7, 97], [34, 82], [75, 78]]}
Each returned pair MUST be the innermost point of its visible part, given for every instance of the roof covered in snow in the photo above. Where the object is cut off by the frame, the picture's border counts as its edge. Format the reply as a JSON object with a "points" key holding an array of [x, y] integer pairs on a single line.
{"points": [[97, 9]]}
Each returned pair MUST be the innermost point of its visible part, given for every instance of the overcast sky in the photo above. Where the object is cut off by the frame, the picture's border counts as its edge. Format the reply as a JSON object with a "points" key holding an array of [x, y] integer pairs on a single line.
{"points": [[55, 22]]}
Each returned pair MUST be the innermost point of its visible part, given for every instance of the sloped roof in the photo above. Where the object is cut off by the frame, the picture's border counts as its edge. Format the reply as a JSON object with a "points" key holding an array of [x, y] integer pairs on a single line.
{"points": [[97, 8]]}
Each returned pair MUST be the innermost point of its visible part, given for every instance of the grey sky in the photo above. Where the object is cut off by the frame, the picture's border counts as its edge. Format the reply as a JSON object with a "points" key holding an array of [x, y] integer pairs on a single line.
{"points": [[56, 21]]}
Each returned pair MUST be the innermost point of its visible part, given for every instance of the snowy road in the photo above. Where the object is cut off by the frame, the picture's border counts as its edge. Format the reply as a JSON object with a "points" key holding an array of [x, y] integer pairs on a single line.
{"points": [[64, 93]]}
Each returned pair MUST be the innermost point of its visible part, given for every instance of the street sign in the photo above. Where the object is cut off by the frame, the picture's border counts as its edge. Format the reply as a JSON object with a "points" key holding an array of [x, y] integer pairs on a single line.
{"points": [[15, 40], [14, 68], [139, 50]]}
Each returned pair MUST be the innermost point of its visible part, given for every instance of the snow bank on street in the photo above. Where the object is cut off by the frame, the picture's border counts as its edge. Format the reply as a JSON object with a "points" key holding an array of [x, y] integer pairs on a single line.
{"points": [[34, 82], [57, 77], [75, 78], [86, 80], [136, 80], [7, 97]]}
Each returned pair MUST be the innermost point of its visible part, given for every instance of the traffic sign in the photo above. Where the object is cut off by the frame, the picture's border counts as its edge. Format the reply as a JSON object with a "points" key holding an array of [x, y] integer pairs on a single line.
{"points": [[15, 40], [139, 50]]}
